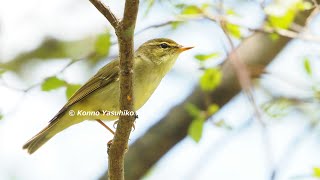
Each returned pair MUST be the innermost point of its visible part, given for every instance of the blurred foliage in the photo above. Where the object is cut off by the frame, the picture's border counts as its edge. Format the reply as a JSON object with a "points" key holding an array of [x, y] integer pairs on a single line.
{"points": [[282, 13], [277, 108], [71, 89], [233, 30], [316, 172], [2, 71], [196, 127], [307, 66], [94, 48], [54, 82], [222, 124], [199, 117], [204, 57], [102, 47], [192, 9], [210, 79]]}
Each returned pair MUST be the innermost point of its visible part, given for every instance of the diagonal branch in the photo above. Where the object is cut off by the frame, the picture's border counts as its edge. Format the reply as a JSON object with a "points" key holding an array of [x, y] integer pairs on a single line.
{"points": [[106, 12]]}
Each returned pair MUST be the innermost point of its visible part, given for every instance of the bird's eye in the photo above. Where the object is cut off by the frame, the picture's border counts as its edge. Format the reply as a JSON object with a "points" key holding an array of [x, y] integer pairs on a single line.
{"points": [[164, 45]]}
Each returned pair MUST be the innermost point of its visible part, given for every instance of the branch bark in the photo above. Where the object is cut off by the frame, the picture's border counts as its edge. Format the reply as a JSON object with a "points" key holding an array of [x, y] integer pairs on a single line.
{"points": [[125, 32], [257, 51], [107, 13]]}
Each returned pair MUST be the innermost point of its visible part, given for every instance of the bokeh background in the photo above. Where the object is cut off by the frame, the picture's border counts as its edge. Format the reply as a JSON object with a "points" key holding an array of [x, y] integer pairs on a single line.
{"points": [[70, 40]]}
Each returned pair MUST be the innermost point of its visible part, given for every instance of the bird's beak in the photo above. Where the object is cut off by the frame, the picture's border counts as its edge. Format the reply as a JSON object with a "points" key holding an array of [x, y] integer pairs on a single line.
{"points": [[184, 48]]}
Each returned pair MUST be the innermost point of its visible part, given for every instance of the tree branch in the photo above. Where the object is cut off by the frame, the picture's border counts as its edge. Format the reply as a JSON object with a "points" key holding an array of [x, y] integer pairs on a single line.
{"points": [[106, 12], [120, 141], [125, 32]]}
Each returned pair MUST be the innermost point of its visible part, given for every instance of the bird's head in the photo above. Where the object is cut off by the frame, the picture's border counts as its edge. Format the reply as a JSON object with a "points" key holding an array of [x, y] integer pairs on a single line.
{"points": [[161, 50]]}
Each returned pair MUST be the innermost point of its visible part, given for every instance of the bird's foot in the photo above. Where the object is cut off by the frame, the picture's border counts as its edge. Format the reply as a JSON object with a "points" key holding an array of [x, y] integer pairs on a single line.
{"points": [[133, 126], [109, 146]]}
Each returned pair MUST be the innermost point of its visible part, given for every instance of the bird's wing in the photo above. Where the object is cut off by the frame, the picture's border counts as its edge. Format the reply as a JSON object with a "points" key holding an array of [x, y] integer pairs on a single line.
{"points": [[104, 76]]}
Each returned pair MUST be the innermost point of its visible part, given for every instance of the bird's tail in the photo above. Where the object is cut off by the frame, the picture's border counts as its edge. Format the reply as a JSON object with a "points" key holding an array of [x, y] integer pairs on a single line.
{"points": [[43, 136]]}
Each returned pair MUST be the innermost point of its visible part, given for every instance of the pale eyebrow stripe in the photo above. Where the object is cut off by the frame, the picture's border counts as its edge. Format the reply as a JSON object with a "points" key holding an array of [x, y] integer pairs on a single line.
{"points": [[172, 45]]}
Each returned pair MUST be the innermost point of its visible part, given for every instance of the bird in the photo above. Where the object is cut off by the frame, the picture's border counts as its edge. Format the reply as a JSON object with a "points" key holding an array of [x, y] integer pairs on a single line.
{"points": [[152, 61]]}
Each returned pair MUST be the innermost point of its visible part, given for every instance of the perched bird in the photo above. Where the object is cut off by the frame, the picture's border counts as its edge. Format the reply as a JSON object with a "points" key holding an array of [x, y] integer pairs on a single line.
{"points": [[152, 61]]}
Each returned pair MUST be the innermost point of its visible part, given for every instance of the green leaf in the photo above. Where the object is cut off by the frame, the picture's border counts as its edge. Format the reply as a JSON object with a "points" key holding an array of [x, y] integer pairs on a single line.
{"points": [[71, 89], [307, 66], [176, 24], [204, 57], [193, 110], [282, 13], [304, 5], [102, 46], [210, 79], [52, 83], [191, 10], [213, 108], [1, 116], [2, 71], [277, 108], [230, 12], [316, 172], [195, 129], [282, 22], [222, 123], [233, 30]]}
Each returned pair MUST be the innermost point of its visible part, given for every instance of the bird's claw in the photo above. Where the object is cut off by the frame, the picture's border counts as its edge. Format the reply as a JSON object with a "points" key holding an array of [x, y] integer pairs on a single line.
{"points": [[109, 146], [115, 124]]}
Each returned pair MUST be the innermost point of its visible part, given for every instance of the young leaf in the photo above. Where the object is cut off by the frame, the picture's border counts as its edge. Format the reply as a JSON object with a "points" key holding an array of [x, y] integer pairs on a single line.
{"points": [[176, 24], [2, 71], [230, 12], [191, 10], [210, 79], [316, 172], [52, 83], [303, 5], [213, 108], [307, 66], [234, 30], [71, 89], [204, 57], [282, 22], [221, 123], [193, 110], [282, 13], [102, 46], [195, 129]]}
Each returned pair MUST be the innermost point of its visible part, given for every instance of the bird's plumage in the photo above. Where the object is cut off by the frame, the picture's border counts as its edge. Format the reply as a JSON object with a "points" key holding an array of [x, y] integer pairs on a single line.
{"points": [[153, 60]]}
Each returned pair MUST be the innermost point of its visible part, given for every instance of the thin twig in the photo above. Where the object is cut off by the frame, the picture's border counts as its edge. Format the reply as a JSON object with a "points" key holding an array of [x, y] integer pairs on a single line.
{"points": [[106, 12], [157, 26]]}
